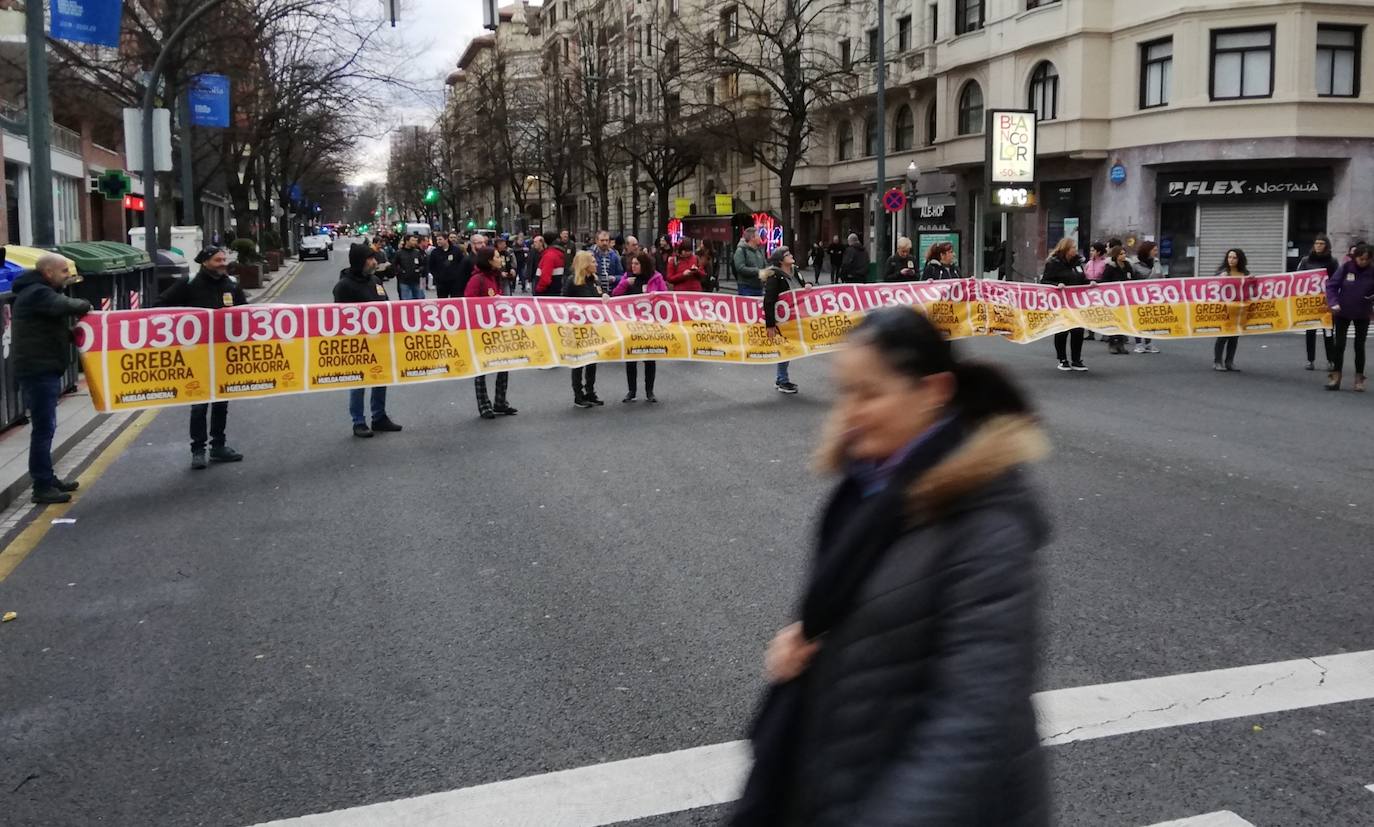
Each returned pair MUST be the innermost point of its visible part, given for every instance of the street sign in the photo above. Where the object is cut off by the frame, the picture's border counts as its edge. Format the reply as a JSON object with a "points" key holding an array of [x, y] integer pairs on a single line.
{"points": [[90, 21], [1118, 173], [114, 184], [725, 204], [162, 139], [210, 101], [894, 200]]}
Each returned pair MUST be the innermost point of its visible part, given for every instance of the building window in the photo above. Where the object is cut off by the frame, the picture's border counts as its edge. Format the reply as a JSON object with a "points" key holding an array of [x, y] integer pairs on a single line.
{"points": [[903, 33], [1036, 4], [968, 16], [674, 6], [971, 109], [904, 129], [934, 22], [1338, 61], [553, 16], [844, 141], [873, 44], [1044, 92], [672, 105], [932, 123], [1243, 63], [670, 56], [870, 135], [729, 25], [1156, 73], [846, 55]]}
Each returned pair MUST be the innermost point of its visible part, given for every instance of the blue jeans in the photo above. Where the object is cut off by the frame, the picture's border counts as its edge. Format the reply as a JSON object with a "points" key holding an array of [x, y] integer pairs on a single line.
{"points": [[410, 291], [749, 290], [782, 372], [40, 397], [355, 404]]}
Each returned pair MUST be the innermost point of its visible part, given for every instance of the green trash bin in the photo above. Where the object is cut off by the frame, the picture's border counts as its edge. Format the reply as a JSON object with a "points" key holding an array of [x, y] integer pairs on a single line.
{"points": [[140, 275], [110, 272]]}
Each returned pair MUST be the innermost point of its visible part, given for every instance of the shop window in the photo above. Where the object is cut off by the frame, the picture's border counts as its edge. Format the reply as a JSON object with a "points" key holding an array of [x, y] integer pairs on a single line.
{"points": [[904, 129], [1306, 221], [1338, 61], [968, 16], [971, 109], [844, 141], [1242, 63], [1044, 92], [870, 135], [1156, 73]]}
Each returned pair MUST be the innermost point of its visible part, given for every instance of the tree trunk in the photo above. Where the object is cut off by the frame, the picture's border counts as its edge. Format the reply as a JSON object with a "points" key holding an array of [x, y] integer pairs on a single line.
{"points": [[603, 190], [662, 210]]}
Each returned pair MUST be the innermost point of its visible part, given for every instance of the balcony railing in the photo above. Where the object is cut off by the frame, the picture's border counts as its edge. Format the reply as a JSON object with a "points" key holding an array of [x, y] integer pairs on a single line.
{"points": [[15, 121]]}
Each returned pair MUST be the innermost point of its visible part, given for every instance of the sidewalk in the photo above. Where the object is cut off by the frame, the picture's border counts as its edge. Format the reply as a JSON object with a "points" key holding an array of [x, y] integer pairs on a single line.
{"points": [[76, 418]]}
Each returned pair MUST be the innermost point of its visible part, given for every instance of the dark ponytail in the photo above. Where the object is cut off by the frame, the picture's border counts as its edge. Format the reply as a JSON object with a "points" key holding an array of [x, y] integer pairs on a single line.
{"points": [[914, 347]]}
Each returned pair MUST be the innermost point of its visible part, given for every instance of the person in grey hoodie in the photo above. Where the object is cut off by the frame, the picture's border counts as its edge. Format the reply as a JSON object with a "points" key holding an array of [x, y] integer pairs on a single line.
{"points": [[1350, 295], [748, 261]]}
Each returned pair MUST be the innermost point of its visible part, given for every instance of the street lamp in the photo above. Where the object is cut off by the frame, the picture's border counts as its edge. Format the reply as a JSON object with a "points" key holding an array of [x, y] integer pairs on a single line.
{"points": [[913, 174]]}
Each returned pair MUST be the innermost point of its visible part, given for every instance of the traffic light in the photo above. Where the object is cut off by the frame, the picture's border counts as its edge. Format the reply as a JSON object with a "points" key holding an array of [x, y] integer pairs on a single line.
{"points": [[491, 223], [390, 210], [431, 196], [472, 225]]}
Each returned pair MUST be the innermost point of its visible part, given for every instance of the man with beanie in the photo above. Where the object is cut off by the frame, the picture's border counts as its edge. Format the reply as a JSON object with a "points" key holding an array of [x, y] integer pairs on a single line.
{"points": [[211, 288], [359, 283], [780, 277], [41, 344]]}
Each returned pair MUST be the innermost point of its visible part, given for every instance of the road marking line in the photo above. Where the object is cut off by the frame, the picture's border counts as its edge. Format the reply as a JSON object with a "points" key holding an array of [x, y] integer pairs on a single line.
{"points": [[1369, 787], [675, 781], [31, 536], [1221, 818]]}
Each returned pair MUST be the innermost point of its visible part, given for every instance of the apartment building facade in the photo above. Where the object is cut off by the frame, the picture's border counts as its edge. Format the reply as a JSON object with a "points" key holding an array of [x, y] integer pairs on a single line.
{"points": [[1200, 124]]}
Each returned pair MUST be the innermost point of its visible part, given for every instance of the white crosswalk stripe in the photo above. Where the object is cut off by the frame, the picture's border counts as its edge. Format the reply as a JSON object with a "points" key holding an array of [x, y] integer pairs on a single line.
{"points": [[1221, 818], [635, 788]]}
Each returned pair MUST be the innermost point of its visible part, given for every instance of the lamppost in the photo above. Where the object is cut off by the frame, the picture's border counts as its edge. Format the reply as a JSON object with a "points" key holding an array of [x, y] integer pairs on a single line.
{"points": [[913, 176]]}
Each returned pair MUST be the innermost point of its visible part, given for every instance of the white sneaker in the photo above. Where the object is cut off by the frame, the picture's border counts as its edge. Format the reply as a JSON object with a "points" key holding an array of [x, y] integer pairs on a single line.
{"points": [[1140, 349], [1151, 349]]}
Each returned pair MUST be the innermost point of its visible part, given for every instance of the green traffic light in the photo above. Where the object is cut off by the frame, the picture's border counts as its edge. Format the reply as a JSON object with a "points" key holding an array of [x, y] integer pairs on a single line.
{"points": [[431, 195]]}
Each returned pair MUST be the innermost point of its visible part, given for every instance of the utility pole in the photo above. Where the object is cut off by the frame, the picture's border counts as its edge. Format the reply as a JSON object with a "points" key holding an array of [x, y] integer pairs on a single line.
{"points": [[40, 142], [188, 160], [880, 73]]}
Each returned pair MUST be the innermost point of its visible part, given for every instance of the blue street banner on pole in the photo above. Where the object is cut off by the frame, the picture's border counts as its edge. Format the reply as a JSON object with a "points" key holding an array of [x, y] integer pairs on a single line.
{"points": [[87, 21], [210, 101]]}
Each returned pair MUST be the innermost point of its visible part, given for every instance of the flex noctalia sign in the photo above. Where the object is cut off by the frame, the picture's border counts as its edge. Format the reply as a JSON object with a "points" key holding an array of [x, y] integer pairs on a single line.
{"points": [[1245, 185]]}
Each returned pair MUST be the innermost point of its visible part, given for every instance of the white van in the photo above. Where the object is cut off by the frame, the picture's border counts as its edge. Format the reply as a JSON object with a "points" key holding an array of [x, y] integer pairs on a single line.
{"points": [[417, 229]]}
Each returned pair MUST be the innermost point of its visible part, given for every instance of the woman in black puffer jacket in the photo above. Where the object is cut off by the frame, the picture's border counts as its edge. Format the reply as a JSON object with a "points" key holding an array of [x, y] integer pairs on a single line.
{"points": [[1064, 268], [902, 696]]}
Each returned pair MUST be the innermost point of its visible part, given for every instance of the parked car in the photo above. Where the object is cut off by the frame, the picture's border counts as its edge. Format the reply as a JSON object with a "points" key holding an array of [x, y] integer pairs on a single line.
{"points": [[315, 246]]}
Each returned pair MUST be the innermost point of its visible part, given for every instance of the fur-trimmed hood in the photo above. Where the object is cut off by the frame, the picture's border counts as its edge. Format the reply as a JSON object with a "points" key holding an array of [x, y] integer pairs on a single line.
{"points": [[991, 451]]}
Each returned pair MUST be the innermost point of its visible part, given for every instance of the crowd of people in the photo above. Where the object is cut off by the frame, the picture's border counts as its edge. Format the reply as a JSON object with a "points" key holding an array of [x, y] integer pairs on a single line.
{"points": [[1349, 294], [553, 264]]}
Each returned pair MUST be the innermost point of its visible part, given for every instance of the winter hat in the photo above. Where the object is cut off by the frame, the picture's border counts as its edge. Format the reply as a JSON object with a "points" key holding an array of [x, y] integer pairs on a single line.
{"points": [[207, 254], [778, 255], [358, 254]]}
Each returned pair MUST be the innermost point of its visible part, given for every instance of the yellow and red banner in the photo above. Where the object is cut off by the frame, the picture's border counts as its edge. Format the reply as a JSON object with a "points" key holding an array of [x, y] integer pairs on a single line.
{"points": [[153, 358]]}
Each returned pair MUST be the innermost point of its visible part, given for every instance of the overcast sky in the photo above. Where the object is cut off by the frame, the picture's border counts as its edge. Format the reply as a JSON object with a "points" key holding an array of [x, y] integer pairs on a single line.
{"points": [[434, 33]]}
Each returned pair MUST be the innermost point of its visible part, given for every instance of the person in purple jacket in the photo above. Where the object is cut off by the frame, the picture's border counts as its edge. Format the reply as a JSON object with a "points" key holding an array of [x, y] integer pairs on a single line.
{"points": [[1350, 295]]}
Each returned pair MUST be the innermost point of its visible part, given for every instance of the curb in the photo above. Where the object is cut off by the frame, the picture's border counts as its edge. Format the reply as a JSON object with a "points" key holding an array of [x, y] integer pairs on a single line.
{"points": [[21, 485]]}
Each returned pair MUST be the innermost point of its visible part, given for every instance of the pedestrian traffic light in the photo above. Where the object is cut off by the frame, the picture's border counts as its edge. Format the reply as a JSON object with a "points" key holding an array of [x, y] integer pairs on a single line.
{"points": [[472, 225], [491, 223], [431, 196]]}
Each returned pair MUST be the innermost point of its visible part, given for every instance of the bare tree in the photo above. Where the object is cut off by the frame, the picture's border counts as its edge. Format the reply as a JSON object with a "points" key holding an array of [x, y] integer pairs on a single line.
{"points": [[667, 147], [596, 80], [775, 66]]}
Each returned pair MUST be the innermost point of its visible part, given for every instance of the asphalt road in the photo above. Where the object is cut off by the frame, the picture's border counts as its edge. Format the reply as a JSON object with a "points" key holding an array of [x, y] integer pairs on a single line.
{"points": [[336, 621]]}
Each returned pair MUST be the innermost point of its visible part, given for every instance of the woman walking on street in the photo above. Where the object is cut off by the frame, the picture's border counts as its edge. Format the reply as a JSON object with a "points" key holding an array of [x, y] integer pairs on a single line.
{"points": [[1320, 259], [902, 693], [684, 272], [1064, 268], [781, 277], [584, 284], [1224, 352], [486, 282], [1350, 295], [1145, 266], [640, 277]]}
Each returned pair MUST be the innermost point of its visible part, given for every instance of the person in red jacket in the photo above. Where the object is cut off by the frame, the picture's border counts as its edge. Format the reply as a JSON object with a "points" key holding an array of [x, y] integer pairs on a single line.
{"points": [[551, 266], [486, 282], [684, 271]]}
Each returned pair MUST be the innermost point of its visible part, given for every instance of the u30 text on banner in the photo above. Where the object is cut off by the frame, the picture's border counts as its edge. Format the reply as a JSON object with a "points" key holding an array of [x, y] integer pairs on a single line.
{"points": [[150, 358]]}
